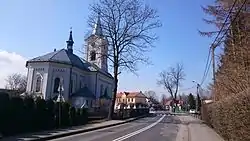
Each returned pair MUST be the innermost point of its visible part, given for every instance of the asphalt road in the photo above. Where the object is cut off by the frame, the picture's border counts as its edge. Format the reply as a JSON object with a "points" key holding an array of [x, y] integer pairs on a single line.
{"points": [[155, 128]]}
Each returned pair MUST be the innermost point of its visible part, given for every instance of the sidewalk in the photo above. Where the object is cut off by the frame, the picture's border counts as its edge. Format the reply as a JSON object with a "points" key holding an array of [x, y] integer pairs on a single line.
{"points": [[57, 133], [193, 129]]}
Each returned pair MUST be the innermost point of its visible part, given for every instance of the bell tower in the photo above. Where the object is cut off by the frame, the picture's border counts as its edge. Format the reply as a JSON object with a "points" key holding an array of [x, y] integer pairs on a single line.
{"points": [[97, 47]]}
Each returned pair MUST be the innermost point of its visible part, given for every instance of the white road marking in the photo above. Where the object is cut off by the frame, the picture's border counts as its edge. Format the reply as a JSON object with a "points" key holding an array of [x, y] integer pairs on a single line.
{"points": [[99, 130], [139, 131]]}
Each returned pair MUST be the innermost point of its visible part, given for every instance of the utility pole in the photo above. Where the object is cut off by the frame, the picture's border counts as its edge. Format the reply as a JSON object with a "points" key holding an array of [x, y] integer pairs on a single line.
{"points": [[59, 100], [197, 95], [213, 65]]}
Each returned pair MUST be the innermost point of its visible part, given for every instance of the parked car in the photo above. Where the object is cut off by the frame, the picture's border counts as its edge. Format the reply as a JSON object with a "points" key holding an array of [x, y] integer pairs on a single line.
{"points": [[192, 111]]}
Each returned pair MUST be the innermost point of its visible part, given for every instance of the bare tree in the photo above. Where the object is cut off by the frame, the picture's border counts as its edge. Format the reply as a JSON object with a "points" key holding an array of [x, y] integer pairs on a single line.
{"points": [[128, 27], [16, 81], [163, 99], [171, 79], [151, 94]]}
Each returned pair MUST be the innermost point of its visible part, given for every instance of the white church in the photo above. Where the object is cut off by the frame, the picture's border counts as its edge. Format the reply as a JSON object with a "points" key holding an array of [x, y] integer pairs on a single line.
{"points": [[82, 81]]}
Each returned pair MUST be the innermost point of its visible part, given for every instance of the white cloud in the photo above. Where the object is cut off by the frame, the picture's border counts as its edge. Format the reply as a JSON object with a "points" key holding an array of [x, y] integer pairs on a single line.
{"points": [[11, 62]]}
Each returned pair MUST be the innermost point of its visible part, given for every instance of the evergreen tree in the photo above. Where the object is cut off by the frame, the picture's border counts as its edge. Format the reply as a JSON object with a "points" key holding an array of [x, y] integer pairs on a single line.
{"points": [[191, 101]]}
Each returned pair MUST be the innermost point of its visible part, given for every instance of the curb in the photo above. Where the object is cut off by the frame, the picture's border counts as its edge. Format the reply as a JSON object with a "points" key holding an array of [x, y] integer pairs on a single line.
{"points": [[84, 130]]}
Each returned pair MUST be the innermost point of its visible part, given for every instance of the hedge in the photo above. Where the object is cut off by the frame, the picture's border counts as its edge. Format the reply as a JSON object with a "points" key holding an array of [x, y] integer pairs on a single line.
{"points": [[130, 113], [230, 117], [20, 115]]}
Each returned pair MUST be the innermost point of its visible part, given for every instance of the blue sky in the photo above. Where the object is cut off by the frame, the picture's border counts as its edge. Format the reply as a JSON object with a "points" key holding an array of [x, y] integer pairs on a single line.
{"points": [[34, 27]]}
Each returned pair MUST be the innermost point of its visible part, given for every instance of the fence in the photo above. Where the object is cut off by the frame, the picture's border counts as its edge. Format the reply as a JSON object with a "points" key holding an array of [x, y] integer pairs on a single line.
{"points": [[205, 113]]}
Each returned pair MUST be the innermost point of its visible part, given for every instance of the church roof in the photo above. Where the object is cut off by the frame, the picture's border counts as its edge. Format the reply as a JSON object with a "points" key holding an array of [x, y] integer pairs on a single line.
{"points": [[97, 27], [83, 92], [65, 57]]}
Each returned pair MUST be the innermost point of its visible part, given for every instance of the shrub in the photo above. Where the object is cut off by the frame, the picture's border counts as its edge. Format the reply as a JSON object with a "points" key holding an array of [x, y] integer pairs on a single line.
{"points": [[83, 116], [41, 115], [72, 114], [29, 113], [65, 114], [230, 117], [17, 117], [26, 115], [4, 110], [51, 114], [130, 113]]}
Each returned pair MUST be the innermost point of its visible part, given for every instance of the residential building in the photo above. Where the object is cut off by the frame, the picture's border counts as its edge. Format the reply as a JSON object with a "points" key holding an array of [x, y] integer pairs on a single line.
{"points": [[131, 100], [169, 103]]}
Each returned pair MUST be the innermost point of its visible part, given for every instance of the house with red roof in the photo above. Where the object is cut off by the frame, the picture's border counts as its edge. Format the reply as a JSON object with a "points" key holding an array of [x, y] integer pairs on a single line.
{"points": [[169, 103], [131, 100]]}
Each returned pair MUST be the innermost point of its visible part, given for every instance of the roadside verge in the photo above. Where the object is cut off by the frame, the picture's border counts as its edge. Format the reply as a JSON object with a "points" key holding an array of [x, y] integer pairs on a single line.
{"points": [[48, 135]]}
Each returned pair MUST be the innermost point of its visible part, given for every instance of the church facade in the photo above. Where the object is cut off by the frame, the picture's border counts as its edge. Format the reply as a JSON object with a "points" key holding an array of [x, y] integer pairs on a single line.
{"points": [[83, 82]]}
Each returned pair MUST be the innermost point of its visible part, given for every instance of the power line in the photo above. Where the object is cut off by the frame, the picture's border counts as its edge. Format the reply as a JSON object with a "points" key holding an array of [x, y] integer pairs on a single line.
{"points": [[206, 67], [232, 22], [205, 75], [208, 63]]}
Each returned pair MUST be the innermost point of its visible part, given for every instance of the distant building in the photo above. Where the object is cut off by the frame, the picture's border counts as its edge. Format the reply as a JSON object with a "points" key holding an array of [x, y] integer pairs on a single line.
{"points": [[169, 103]]}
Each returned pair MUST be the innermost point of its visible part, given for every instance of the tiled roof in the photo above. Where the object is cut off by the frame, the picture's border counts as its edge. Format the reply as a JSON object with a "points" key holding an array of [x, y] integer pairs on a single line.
{"points": [[170, 101], [65, 57], [118, 95], [136, 94], [131, 94]]}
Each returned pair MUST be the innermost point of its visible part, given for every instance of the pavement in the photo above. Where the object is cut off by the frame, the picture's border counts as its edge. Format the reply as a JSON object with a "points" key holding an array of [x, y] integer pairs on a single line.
{"points": [[193, 129]]}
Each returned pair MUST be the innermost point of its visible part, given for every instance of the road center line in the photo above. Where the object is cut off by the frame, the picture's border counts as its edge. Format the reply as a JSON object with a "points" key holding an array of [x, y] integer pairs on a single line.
{"points": [[139, 131]]}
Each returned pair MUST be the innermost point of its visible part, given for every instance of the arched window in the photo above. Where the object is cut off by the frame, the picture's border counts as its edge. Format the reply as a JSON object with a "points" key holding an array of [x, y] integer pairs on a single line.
{"points": [[56, 84], [71, 85], [101, 90], [92, 55], [106, 91], [38, 83]]}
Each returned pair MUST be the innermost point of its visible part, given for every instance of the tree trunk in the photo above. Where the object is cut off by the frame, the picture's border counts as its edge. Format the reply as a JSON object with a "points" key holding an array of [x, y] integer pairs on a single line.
{"points": [[112, 105], [174, 105]]}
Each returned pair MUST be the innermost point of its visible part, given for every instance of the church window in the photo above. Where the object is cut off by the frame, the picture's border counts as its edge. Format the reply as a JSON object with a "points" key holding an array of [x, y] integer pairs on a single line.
{"points": [[109, 91], [73, 82], [87, 102], [101, 90], [38, 83], [92, 56], [56, 84], [106, 90], [71, 86], [81, 81]]}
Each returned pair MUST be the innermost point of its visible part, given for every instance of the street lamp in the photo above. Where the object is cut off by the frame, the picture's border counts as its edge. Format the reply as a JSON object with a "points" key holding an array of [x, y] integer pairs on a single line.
{"points": [[197, 94], [59, 100]]}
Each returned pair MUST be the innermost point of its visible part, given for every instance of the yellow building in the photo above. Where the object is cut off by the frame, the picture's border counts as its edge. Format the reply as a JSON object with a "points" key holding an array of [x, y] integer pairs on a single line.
{"points": [[130, 100]]}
